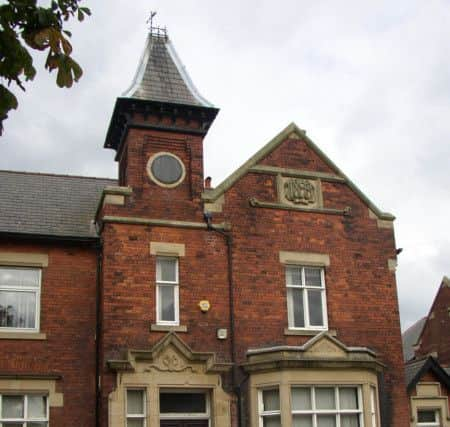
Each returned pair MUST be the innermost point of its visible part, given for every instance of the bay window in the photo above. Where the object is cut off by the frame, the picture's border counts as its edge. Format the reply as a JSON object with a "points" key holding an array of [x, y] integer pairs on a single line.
{"points": [[20, 290], [306, 297], [167, 292]]}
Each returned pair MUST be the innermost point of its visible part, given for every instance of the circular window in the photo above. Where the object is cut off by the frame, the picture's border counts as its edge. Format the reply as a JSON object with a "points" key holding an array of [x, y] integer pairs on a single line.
{"points": [[166, 169]]}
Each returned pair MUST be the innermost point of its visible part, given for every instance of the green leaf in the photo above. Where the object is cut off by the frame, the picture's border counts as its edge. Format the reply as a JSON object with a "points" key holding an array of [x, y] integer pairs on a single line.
{"points": [[86, 10], [8, 101], [80, 15]]}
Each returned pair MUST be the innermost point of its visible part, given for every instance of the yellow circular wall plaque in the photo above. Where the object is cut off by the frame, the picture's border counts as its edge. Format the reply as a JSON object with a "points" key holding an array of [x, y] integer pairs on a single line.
{"points": [[204, 305]]}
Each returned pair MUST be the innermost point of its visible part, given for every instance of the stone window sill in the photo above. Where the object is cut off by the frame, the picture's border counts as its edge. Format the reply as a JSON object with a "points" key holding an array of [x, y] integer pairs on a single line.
{"points": [[308, 332], [168, 328], [22, 336]]}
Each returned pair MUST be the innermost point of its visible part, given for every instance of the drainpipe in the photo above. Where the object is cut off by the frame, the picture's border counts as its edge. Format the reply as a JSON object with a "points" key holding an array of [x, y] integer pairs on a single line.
{"points": [[98, 332], [236, 387]]}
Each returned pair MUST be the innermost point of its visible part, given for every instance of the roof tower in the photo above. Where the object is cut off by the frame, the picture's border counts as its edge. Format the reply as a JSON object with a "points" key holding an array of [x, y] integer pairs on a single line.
{"points": [[161, 87]]}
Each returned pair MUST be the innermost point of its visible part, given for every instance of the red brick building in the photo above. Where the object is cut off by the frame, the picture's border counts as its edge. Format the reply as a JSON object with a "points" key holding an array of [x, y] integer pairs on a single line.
{"points": [[427, 356], [158, 301]]}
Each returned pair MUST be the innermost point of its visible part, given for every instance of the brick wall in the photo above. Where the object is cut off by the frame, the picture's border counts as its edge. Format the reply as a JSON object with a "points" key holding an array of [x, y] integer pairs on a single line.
{"points": [[361, 290], [68, 319]]}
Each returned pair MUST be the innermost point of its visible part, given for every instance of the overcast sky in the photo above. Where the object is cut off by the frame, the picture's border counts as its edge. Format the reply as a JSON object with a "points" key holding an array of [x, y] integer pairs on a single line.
{"points": [[368, 80]]}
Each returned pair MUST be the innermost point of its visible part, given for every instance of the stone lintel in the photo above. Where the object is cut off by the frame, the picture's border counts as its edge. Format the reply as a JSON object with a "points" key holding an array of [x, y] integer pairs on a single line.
{"points": [[306, 258], [24, 259]]}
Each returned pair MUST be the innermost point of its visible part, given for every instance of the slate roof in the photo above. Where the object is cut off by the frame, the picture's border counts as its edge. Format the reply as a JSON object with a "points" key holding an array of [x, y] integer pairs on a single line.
{"points": [[161, 76], [49, 205], [412, 369], [415, 369], [410, 337]]}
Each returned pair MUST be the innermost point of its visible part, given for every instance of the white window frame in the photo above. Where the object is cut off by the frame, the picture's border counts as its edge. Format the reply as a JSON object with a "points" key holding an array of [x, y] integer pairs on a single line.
{"points": [[373, 406], [189, 415], [437, 418], [304, 288], [337, 411], [176, 286], [261, 412], [25, 418], [36, 290], [142, 416]]}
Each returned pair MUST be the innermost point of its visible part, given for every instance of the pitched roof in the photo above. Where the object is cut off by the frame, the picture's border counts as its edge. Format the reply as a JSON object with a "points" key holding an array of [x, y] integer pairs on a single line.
{"points": [[410, 338], [49, 205], [415, 370], [162, 77]]}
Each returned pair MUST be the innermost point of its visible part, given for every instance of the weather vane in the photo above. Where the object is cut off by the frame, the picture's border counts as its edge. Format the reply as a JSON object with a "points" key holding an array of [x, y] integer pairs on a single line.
{"points": [[154, 30]]}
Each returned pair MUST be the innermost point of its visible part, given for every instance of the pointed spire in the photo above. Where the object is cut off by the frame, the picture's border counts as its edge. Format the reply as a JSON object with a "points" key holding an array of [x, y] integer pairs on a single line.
{"points": [[161, 76], [162, 95]]}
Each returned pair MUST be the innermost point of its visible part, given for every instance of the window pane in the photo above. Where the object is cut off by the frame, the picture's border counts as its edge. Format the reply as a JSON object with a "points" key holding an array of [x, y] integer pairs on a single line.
{"points": [[302, 421], [12, 424], [294, 276], [135, 423], [326, 421], [37, 424], [296, 314], [179, 403], [12, 407], [325, 398], [301, 398], [17, 309], [348, 398], [166, 269], [271, 400], [135, 402], [350, 420], [315, 308], [37, 406], [18, 277], [167, 303], [313, 277], [426, 416], [272, 421]]}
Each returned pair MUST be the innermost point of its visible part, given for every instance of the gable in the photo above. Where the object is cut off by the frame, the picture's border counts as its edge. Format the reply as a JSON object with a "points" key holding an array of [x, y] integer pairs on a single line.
{"points": [[440, 308], [295, 153], [309, 160]]}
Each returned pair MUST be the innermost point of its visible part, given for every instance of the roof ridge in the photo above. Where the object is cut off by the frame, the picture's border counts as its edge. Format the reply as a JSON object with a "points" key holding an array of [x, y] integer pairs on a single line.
{"points": [[55, 174]]}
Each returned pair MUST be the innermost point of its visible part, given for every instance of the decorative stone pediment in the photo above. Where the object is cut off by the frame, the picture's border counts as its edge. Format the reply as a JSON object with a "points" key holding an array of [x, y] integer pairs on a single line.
{"points": [[325, 348], [168, 364], [322, 351], [170, 354], [171, 361]]}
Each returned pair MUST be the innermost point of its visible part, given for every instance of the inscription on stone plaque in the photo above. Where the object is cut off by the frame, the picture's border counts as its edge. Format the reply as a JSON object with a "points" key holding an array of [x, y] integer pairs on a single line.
{"points": [[299, 191]]}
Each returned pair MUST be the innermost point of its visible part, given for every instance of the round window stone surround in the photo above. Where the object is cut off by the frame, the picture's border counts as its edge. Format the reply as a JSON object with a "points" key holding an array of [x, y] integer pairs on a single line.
{"points": [[166, 169]]}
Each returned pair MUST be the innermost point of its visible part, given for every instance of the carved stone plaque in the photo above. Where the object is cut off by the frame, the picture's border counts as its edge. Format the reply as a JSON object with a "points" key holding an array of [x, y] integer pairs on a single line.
{"points": [[299, 192]]}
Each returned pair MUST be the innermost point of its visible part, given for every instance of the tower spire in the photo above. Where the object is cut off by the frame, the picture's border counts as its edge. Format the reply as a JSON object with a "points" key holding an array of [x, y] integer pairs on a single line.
{"points": [[162, 89]]}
